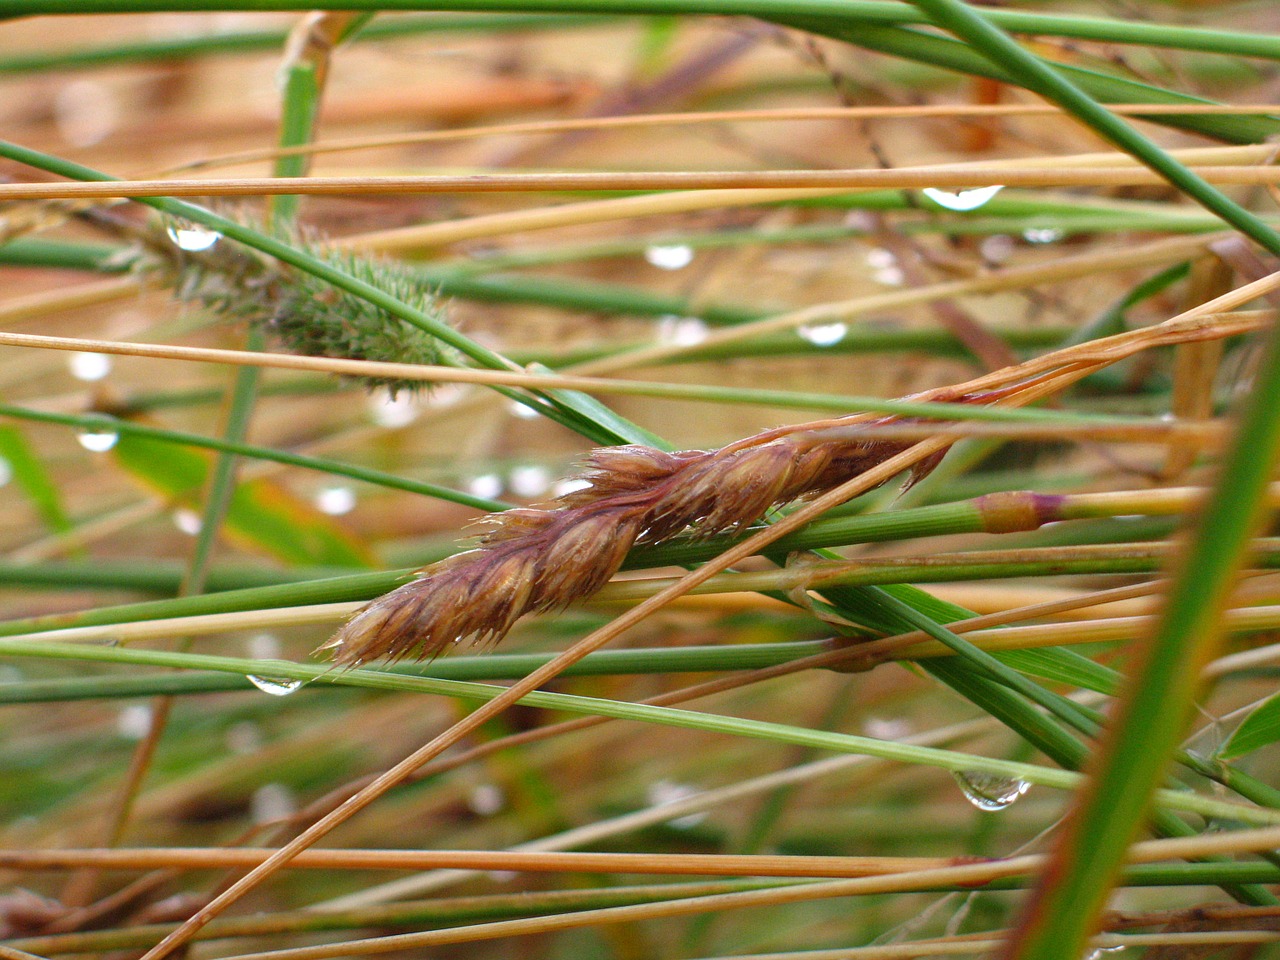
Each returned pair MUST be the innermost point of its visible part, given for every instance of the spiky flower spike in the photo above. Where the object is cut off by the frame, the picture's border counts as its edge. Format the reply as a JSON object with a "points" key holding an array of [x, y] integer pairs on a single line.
{"points": [[543, 558], [305, 314]]}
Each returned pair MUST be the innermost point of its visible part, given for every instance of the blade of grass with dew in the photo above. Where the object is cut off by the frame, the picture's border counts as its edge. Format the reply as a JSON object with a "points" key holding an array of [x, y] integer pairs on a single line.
{"points": [[563, 409], [666, 716]]}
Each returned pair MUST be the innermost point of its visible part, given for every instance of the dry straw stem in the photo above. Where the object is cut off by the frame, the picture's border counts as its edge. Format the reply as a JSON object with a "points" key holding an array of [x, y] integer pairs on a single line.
{"points": [[597, 124], [1026, 175], [924, 879], [761, 865], [598, 211]]}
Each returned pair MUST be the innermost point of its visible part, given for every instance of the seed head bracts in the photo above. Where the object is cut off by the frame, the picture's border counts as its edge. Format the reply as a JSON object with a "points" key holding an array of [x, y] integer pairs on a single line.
{"points": [[545, 557]]}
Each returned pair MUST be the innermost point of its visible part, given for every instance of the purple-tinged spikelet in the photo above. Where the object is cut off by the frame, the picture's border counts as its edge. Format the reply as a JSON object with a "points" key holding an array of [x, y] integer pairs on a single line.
{"points": [[545, 557]]}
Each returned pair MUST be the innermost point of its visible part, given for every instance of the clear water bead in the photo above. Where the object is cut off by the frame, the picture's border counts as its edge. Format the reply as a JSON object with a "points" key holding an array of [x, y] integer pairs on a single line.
{"points": [[990, 792], [276, 686], [192, 237], [962, 200]]}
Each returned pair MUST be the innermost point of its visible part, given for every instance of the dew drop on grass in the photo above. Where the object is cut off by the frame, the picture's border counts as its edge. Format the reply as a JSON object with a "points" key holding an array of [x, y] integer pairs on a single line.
{"points": [[98, 441], [823, 334], [673, 256], [276, 686], [962, 200], [989, 792], [192, 237]]}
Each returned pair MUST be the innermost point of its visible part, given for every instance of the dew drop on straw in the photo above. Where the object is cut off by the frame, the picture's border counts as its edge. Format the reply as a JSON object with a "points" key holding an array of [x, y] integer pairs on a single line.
{"points": [[671, 256], [97, 441], [964, 200], [823, 334], [276, 686], [989, 792], [522, 411], [192, 237], [6, 471]]}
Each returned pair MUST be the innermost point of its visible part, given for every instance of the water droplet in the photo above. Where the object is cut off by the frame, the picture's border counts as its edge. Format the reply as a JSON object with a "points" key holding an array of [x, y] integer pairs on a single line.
{"points": [[188, 521], [681, 331], [276, 686], [244, 737], [191, 236], [89, 366], [98, 441], [996, 248], [272, 802], [486, 800], [823, 334], [987, 791], [890, 728], [961, 200], [1042, 235], [522, 411], [674, 256], [663, 793], [336, 501], [85, 112], [487, 485], [531, 481], [884, 267], [388, 411], [134, 721], [6, 471]]}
